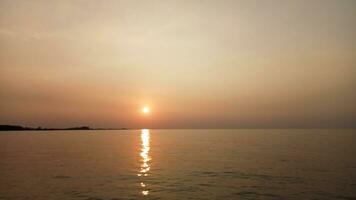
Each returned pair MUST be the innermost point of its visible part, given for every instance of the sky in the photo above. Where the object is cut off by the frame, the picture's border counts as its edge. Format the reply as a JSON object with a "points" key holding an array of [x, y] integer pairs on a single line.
{"points": [[196, 64]]}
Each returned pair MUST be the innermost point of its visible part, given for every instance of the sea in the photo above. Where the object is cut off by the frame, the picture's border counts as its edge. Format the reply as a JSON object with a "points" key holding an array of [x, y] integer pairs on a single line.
{"points": [[178, 164]]}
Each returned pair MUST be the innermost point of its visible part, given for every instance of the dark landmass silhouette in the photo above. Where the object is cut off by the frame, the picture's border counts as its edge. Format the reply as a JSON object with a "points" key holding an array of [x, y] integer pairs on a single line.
{"points": [[22, 128]]}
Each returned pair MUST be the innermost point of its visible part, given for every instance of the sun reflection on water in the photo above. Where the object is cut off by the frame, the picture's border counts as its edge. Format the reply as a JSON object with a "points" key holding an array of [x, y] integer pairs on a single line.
{"points": [[145, 158]]}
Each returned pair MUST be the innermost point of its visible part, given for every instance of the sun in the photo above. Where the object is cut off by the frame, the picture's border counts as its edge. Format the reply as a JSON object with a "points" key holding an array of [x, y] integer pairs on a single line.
{"points": [[146, 110]]}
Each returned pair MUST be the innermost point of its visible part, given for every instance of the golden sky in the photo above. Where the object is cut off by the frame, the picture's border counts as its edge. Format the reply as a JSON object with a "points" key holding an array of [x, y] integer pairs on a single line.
{"points": [[197, 64]]}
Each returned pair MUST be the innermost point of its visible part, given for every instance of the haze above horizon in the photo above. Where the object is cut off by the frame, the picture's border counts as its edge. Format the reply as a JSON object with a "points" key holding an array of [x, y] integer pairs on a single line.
{"points": [[180, 64]]}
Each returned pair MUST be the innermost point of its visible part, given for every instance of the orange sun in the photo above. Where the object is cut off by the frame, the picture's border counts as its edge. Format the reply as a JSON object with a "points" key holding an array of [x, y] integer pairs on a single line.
{"points": [[146, 110]]}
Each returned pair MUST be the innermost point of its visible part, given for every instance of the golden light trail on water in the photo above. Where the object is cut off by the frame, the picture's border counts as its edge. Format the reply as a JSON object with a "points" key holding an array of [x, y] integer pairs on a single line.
{"points": [[145, 158]]}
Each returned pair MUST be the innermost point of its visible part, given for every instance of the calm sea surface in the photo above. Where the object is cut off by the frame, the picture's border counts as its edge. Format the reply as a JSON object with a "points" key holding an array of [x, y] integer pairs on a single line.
{"points": [[178, 164]]}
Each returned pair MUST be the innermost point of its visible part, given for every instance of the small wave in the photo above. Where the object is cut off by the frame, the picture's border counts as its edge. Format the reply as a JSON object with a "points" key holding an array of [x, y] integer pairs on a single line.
{"points": [[247, 194], [93, 198], [61, 177], [242, 175]]}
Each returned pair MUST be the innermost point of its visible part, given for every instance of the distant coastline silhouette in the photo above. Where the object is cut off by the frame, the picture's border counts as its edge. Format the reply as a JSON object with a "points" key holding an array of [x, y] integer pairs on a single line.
{"points": [[22, 128]]}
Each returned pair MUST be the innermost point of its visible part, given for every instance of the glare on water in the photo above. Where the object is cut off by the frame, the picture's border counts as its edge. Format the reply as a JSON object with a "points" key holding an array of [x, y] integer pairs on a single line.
{"points": [[145, 158]]}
